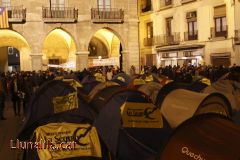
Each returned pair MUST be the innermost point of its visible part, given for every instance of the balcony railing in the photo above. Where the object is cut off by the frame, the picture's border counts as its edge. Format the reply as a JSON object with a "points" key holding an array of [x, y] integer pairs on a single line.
{"points": [[59, 14], [237, 36], [107, 15], [189, 36], [223, 33], [148, 41], [16, 14], [165, 40], [165, 3]]}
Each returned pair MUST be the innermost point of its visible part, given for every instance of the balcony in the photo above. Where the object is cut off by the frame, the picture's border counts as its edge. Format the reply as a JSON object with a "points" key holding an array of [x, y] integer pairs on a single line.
{"points": [[164, 4], [221, 34], [107, 15], [187, 1], [148, 41], [16, 14], [59, 14], [237, 37], [166, 40], [190, 36]]}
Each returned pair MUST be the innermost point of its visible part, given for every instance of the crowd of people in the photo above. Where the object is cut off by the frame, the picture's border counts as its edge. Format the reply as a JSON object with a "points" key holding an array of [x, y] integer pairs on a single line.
{"points": [[20, 86]]}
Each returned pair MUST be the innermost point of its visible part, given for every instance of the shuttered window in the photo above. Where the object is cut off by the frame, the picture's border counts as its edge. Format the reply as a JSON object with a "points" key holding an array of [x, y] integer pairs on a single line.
{"points": [[220, 11]]}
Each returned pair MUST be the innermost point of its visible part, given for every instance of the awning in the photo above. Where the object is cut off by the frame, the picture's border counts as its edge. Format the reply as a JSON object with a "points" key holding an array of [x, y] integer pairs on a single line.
{"points": [[179, 47], [225, 54]]}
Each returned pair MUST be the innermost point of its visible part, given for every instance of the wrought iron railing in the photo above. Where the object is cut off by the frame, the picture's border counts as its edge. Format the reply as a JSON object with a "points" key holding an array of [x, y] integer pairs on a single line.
{"points": [[165, 40], [222, 33], [188, 36], [148, 41], [165, 3], [16, 14], [237, 36], [59, 14], [110, 15]]}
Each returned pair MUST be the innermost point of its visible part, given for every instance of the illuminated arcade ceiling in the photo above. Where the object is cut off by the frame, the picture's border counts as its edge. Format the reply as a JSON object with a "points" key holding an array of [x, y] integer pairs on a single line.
{"points": [[58, 44], [14, 39], [110, 40]]}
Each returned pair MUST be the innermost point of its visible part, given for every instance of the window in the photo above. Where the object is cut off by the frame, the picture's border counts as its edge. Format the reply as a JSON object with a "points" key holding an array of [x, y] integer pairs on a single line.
{"points": [[169, 26], [168, 2], [6, 3], [57, 3], [150, 30], [104, 3], [221, 24], [192, 25], [220, 21], [146, 5]]}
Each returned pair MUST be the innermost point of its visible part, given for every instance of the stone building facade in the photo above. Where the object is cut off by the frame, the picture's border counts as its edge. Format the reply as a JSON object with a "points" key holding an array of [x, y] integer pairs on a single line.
{"points": [[60, 32], [178, 32]]}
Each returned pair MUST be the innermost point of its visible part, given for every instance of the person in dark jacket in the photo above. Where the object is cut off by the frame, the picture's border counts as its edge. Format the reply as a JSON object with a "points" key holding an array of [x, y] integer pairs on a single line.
{"points": [[14, 89], [2, 100]]}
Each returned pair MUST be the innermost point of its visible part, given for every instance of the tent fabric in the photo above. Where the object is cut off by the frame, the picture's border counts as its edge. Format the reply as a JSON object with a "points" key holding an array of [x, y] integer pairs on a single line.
{"points": [[230, 89], [128, 143], [88, 79], [150, 78], [80, 132], [151, 89], [87, 87], [166, 89], [101, 98], [198, 86], [41, 108], [120, 82], [122, 76], [99, 87], [236, 118], [180, 105], [205, 137]]}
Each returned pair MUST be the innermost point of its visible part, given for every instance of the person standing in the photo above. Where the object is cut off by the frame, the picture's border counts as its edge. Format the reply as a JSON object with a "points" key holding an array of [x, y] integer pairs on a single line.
{"points": [[2, 99], [15, 96]]}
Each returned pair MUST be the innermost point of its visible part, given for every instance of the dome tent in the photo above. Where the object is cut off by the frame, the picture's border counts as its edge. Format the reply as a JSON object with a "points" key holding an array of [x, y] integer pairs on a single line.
{"points": [[101, 98], [56, 102], [151, 89], [180, 105], [199, 138], [125, 129], [230, 89], [99, 87], [122, 77]]}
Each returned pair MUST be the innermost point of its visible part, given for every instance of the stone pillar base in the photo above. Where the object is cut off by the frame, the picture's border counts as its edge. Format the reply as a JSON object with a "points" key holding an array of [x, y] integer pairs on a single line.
{"points": [[81, 60], [36, 62]]}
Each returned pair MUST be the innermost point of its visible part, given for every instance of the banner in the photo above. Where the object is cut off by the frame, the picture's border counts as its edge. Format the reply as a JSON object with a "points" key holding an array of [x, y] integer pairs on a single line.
{"points": [[3, 18], [84, 137], [65, 103], [141, 115]]}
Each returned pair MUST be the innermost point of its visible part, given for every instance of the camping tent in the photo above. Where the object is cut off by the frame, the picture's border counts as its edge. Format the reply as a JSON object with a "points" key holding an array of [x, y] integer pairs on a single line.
{"points": [[130, 126], [55, 101], [99, 87], [101, 98], [122, 77], [151, 89], [180, 105], [231, 89], [204, 137], [56, 112]]}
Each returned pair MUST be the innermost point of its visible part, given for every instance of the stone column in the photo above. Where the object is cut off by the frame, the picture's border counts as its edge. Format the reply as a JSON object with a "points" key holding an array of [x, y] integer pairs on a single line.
{"points": [[125, 61], [36, 62], [82, 60]]}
